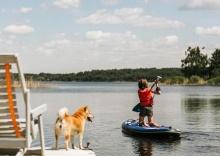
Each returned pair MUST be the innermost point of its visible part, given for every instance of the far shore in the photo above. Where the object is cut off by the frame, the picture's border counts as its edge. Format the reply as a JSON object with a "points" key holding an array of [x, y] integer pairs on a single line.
{"points": [[53, 84]]}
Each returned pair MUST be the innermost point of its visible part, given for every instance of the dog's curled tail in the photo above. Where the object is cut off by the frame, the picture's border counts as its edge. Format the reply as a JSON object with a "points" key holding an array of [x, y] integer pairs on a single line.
{"points": [[62, 112]]}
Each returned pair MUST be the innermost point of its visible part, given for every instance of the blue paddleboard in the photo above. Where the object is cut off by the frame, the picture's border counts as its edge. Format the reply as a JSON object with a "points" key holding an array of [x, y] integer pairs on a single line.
{"points": [[132, 127]]}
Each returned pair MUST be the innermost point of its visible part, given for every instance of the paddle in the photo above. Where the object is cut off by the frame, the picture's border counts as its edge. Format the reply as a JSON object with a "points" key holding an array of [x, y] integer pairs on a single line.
{"points": [[137, 106]]}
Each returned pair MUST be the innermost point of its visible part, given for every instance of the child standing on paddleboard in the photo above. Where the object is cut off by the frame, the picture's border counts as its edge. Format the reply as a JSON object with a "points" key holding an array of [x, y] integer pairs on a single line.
{"points": [[145, 94]]}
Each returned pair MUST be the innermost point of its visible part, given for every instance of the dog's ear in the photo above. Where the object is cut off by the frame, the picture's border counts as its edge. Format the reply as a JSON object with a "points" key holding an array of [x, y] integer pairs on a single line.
{"points": [[85, 108]]}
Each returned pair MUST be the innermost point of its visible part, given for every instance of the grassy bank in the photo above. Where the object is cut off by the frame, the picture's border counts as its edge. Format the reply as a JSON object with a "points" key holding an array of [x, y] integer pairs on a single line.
{"points": [[36, 84], [174, 80], [193, 80]]}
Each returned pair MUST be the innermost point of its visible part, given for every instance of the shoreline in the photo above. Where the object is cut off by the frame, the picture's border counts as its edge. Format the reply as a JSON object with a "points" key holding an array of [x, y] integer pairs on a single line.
{"points": [[54, 84]]}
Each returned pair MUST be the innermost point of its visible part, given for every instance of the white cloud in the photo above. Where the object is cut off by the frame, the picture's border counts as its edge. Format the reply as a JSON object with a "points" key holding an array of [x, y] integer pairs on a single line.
{"points": [[99, 50], [201, 4], [44, 51], [100, 44], [18, 29], [131, 50], [110, 40], [110, 2], [4, 43], [131, 16], [215, 30], [25, 10], [165, 41], [58, 43], [97, 35], [127, 46], [2, 11], [53, 46], [64, 4]]}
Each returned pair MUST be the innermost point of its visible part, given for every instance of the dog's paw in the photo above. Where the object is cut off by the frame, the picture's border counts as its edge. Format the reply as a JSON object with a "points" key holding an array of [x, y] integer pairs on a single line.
{"points": [[81, 148], [74, 147]]}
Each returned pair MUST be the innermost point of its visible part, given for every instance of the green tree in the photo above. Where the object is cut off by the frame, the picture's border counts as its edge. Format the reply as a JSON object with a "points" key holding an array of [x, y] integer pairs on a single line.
{"points": [[195, 63], [215, 63]]}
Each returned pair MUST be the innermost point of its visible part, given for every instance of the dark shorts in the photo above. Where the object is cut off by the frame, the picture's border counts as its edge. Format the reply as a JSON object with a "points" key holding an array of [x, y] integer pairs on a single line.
{"points": [[146, 111]]}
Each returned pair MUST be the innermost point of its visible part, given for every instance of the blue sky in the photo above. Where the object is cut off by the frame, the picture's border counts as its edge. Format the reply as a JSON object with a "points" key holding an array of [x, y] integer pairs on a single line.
{"points": [[70, 36]]}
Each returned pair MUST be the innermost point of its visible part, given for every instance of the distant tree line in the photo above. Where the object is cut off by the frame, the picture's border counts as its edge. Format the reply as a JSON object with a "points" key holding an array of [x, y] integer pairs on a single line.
{"points": [[107, 75], [194, 68]]}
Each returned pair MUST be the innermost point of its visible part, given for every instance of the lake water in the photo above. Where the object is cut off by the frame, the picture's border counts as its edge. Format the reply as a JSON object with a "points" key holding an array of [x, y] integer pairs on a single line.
{"points": [[192, 109]]}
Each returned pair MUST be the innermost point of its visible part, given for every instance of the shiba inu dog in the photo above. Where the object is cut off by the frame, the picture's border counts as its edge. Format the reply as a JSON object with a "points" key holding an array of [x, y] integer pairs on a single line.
{"points": [[72, 125]]}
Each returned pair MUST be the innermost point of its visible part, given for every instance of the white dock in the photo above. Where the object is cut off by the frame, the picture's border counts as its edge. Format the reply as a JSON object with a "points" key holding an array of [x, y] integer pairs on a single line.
{"points": [[48, 152]]}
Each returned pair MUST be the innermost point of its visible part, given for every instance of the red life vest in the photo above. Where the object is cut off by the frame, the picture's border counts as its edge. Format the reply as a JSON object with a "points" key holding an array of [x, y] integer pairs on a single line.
{"points": [[145, 97]]}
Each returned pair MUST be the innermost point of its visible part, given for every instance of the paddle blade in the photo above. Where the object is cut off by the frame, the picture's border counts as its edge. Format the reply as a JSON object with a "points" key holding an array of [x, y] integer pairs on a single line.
{"points": [[136, 108]]}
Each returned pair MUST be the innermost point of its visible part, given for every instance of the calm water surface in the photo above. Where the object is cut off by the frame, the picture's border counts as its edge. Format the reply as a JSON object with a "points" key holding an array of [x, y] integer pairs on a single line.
{"points": [[192, 109]]}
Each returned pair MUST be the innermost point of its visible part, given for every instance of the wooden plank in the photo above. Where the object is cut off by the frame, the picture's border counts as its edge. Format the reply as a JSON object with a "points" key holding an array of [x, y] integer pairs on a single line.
{"points": [[12, 143], [5, 97], [5, 103], [12, 135], [4, 89], [7, 116], [7, 110], [6, 151], [7, 133], [9, 124], [2, 66], [4, 127], [2, 124], [2, 75], [8, 130], [8, 58], [21, 120], [3, 82], [39, 110]]}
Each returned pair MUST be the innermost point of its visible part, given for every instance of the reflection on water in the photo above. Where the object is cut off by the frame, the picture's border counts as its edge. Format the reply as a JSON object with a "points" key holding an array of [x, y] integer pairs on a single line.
{"points": [[200, 116], [142, 147], [215, 105], [151, 146], [194, 110], [202, 112], [195, 104]]}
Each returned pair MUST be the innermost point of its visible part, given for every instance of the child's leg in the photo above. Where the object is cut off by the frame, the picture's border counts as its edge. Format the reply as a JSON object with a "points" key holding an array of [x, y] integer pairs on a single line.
{"points": [[142, 114], [151, 122], [142, 121]]}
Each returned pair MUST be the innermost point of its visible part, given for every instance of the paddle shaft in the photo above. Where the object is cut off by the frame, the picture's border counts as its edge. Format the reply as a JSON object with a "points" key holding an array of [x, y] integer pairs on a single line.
{"points": [[157, 80], [153, 85]]}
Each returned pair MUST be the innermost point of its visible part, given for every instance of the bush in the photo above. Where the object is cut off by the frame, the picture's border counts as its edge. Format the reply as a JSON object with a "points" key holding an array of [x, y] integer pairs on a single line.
{"points": [[214, 81], [196, 80], [175, 80]]}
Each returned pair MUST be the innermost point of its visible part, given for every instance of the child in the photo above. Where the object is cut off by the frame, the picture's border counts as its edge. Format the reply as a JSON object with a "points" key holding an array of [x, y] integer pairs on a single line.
{"points": [[145, 94]]}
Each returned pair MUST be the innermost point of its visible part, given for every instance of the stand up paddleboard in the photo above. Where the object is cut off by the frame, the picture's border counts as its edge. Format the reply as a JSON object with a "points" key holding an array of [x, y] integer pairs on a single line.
{"points": [[132, 127]]}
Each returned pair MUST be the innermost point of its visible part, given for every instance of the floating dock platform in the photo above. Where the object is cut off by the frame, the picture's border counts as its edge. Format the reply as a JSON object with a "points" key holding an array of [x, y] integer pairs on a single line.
{"points": [[48, 152]]}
